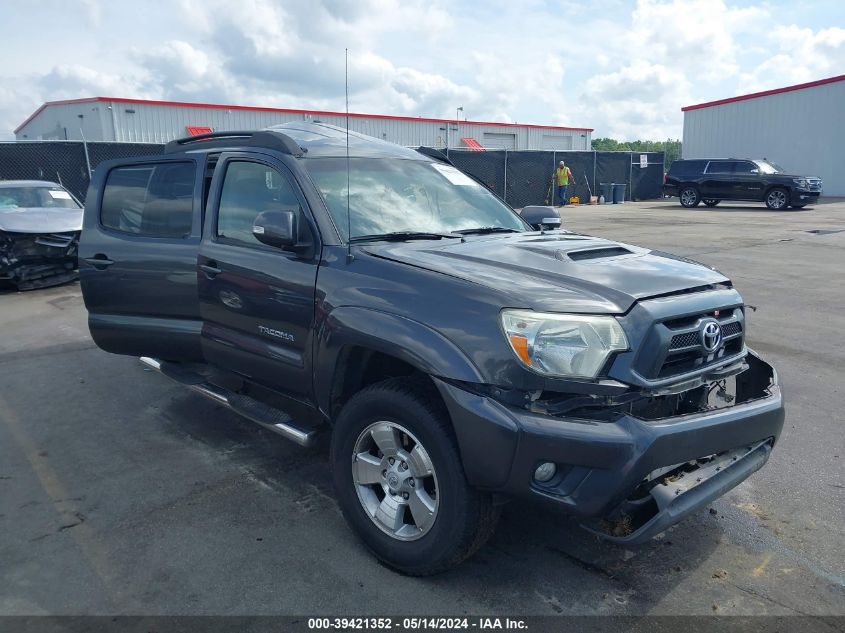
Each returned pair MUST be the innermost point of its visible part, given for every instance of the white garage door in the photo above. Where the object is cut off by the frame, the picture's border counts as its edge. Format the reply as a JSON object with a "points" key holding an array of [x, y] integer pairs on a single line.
{"points": [[497, 140], [552, 141]]}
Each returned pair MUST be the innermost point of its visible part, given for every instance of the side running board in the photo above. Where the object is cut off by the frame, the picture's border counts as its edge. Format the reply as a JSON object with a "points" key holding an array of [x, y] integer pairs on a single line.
{"points": [[268, 417]]}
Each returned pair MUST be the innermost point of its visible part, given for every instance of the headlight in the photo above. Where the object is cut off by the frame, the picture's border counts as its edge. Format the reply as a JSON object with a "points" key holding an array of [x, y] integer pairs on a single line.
{"points": [[571, 345], [801, 182]]}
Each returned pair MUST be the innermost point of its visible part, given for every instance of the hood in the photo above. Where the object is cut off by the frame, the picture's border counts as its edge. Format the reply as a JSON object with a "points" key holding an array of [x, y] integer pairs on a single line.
{"points": [[556, 272], [40, 220]]}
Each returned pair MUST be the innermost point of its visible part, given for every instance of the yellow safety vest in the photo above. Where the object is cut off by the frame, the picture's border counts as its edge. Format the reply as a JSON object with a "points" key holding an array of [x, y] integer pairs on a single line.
{"points": [[562, 175]]}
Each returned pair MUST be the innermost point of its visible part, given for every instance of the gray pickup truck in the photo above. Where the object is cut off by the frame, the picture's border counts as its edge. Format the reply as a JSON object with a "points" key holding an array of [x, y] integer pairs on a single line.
{"points": [[456, 353]]}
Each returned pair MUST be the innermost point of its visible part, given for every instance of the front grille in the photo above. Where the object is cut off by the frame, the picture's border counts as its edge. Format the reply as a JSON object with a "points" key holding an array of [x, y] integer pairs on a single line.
{"points": [[688, 339], [814, 184], [691, 360], [675, 346], [731, 329], [56, 240]]}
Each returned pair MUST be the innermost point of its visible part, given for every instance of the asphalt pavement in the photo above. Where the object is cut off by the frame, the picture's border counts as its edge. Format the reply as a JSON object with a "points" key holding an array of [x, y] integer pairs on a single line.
{"points": [[123, 493]]}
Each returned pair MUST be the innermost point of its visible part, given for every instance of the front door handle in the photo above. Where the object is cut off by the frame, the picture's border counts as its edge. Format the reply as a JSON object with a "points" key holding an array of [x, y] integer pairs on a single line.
{"points": [[99, 261], [210, 270]]}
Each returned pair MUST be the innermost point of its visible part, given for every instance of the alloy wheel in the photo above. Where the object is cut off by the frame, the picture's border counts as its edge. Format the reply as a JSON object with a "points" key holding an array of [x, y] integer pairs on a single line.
{"points": [[776, 199], [689, 197], [395, 480]]}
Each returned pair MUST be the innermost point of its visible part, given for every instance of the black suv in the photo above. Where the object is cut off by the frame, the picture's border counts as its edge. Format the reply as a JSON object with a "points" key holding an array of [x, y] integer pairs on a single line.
{"points": [[713, 180], [456, 355]]}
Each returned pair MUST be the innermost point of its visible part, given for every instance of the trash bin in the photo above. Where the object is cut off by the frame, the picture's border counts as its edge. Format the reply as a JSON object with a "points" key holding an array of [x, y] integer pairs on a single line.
{"points": [[607, 191], [618, 193]]}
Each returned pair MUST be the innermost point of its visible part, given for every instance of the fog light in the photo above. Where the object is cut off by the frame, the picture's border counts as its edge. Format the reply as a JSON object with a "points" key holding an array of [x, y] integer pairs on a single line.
{"points": [[544, 472]]}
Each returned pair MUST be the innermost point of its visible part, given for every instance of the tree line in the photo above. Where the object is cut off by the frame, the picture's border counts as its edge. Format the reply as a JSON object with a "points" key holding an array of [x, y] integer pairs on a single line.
{"points": [[671, 148]]}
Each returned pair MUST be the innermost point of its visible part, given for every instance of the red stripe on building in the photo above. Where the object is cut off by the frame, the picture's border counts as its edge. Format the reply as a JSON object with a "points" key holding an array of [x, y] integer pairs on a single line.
{"points": [[217, 106], [765, 93]]}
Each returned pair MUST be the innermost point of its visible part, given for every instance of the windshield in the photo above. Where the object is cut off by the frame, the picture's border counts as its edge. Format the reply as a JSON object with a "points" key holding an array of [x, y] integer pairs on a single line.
{"points": [[28, 197], [389, 196], [768, 167]]}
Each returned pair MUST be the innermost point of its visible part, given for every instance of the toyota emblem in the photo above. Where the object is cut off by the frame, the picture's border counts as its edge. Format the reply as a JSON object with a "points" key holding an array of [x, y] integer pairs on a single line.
{"points": [[711, 335]]}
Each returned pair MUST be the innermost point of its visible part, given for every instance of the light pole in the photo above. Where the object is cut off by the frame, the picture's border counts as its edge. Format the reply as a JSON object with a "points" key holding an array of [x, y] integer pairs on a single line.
{"points": [[84, 143], [457, 122]]}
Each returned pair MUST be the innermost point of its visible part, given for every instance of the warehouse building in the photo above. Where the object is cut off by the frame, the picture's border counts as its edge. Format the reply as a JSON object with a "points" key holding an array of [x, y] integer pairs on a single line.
{"points": [[798, 127], [142, 121]]}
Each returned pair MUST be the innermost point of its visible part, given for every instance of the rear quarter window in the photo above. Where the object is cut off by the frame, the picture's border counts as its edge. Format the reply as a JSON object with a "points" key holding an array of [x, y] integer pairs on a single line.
{"points": [[687, 168], [154, 200]]}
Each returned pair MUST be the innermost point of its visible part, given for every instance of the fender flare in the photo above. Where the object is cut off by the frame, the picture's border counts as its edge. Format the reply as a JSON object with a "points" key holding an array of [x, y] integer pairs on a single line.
{"points": [[405, 339]]}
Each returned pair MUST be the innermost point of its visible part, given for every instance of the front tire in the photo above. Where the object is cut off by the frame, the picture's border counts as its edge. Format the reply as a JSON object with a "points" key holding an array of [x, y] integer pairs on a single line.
{"points": [[400, 482], [689, 197], [711, 202], [777, 199]]}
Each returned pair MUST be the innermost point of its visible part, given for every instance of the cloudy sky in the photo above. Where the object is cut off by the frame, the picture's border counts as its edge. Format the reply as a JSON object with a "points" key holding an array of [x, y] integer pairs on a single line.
{"points": [[622, 67]]}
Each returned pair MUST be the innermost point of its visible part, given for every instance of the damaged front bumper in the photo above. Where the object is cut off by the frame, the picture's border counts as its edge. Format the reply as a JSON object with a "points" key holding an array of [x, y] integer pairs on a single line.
{"points": [[683, 490], [629, 477], [32, 260]]}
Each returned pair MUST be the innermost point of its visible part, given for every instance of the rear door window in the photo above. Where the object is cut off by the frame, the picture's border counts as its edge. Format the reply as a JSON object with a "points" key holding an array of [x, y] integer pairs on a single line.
{"points": [[154, 200], [721, 167]]}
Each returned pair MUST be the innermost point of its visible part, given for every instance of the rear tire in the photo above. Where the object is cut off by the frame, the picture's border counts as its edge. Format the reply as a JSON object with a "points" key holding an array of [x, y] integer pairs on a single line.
{"points": [[777, 199], [418, 528], [710, 202], [689, 197]]}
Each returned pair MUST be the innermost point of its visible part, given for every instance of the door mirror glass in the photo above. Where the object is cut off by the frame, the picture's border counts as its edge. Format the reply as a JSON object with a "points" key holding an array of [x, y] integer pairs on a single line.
{"points": [[541, 216], [276, 228]]}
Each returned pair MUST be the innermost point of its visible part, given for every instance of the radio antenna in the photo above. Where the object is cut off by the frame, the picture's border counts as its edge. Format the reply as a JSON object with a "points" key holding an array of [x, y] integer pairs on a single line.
{"points": [[348, 214]]}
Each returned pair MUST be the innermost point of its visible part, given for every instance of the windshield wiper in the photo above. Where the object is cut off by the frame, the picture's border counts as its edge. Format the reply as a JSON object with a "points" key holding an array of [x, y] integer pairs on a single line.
{"points": [[400, 236], [483, 230]]}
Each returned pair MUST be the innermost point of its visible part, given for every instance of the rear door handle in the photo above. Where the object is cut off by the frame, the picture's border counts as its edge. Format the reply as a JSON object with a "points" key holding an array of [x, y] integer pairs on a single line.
{"points": [[210, 269], [99, 261]]}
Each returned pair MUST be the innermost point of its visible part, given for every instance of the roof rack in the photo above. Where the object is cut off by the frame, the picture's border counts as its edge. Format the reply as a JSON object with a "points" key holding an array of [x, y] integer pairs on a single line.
{"points": [[270, 140]]}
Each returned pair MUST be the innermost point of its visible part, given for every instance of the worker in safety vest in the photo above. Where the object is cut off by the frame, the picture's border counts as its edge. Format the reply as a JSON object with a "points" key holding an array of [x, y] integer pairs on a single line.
{"points": [[562, 178]]}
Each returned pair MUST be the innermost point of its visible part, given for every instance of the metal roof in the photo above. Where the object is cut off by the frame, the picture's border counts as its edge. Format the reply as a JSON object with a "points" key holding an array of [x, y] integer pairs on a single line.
{"points": [[217, 106], [765, 93]]}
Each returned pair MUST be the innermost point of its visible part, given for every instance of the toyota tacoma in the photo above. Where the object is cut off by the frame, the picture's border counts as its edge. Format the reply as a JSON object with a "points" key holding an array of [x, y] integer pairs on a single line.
{"points": [[456, 353]]}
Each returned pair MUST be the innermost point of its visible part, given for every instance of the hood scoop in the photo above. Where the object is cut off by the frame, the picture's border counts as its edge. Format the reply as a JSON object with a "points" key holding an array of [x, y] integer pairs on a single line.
{"points": [[593, 253]]}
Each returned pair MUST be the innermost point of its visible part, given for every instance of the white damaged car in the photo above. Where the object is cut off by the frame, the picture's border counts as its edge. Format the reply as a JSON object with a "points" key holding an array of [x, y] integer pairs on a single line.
{"points": [[40, 223]]}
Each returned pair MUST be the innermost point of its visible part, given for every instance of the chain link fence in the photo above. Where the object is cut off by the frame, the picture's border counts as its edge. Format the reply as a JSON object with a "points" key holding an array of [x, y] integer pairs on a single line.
{"points": [[491, 173], [525, 177], [64, 162], [519, 177]]}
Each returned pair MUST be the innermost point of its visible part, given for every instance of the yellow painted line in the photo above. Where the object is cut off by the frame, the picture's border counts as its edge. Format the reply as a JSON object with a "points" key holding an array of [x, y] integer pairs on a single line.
{"points": [[761, 568], [82, 533]]}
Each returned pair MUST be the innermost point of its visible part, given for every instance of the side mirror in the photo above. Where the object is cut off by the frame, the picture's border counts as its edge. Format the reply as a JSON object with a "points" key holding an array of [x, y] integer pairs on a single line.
{"points": [[277, 228], [541, 216]]}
